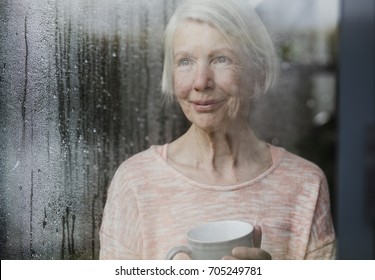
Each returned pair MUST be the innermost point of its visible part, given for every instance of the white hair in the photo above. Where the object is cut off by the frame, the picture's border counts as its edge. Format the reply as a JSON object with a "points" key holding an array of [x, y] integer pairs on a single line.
{"points": [[240, 24]]}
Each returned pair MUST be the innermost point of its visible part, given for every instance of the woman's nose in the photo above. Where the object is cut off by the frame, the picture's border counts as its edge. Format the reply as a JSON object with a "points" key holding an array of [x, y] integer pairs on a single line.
{"points": [[203, 79]]}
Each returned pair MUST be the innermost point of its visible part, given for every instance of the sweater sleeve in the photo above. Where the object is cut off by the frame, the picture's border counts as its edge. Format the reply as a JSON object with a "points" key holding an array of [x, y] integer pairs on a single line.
{"points": [[120, 232], [322, 243]]}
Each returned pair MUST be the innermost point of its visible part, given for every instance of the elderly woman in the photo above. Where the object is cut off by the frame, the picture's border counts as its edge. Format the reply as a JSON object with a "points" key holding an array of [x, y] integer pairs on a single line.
{"points": [[218, 59]]}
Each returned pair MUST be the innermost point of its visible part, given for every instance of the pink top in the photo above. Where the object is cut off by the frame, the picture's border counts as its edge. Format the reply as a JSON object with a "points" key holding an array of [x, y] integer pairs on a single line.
{"points": [[151, 205]]}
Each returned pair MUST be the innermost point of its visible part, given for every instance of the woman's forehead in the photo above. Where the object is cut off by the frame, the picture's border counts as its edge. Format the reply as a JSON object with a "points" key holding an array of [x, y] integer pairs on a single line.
{"points": [[194, 32]]}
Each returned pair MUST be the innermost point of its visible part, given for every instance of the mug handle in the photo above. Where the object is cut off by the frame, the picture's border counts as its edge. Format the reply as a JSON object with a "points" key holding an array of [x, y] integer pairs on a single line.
{"points": [[179, 249]]}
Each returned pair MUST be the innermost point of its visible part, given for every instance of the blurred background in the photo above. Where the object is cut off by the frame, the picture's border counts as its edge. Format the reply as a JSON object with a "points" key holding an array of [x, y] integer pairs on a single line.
{"points": [[80, 92]]}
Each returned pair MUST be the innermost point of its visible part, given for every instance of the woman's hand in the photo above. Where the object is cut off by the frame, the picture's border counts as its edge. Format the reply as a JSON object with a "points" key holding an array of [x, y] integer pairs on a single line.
{"points": [[251, 253]]}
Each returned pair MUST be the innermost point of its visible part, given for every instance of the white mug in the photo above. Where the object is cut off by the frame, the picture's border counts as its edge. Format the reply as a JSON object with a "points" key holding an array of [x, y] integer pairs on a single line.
{"points": [[214, 240]]}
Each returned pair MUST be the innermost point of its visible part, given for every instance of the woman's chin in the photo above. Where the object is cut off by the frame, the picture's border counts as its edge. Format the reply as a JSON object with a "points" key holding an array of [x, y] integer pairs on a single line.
{"points": [[210, 125]]}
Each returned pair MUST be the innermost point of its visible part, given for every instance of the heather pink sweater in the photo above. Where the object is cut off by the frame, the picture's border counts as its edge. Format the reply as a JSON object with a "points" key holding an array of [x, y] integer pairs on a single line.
{"points": [[151, 205]]}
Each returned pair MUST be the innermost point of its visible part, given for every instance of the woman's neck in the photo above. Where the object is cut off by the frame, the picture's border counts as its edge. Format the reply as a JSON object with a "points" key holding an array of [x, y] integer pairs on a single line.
{"points": [[221, 157], [215, 149]]}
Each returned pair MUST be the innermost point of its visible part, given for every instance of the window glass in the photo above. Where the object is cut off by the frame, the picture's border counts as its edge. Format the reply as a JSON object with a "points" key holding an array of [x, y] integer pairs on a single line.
{"points": [[80, 93]]}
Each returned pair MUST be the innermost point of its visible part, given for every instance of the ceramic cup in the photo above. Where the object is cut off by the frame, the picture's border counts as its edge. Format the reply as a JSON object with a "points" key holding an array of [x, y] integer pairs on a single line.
{"points": [[212, 241]]}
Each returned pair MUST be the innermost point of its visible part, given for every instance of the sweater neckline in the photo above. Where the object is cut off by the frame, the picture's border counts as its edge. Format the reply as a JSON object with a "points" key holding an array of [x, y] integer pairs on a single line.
{"points": [[160, 153]]}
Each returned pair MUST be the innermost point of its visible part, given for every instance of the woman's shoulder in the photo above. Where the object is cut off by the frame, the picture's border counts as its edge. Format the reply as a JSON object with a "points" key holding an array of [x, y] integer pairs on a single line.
{"points": [[133, 172], [296, 164], [139, 162]]}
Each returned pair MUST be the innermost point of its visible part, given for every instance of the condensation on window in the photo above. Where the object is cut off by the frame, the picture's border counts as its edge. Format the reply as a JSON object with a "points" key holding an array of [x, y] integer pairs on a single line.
{"points": [[80, 92]]}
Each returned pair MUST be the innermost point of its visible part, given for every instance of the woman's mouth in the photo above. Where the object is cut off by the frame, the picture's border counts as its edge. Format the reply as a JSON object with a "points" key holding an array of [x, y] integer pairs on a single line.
{"points": [[206, 105]]}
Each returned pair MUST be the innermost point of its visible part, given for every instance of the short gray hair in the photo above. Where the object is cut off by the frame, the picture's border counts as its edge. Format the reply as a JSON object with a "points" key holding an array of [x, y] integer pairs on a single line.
{"points": [[240, 24]]}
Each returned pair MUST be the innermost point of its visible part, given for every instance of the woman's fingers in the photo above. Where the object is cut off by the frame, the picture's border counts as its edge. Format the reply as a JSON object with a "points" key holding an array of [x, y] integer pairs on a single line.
{"points": [[257, 236], [246, 253]]}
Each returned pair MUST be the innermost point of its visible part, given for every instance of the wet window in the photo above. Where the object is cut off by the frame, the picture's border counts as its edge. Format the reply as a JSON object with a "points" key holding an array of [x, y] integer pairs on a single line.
{"points": [[80, 92]]}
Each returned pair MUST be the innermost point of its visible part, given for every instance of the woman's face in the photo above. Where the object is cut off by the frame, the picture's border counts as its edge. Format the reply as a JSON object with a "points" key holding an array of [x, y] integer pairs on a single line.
{"points": [[208, 75]]}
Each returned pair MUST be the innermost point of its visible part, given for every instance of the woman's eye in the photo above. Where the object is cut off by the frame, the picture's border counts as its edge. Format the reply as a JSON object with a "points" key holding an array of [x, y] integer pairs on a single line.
{"points": [[184, 62], [221, 59]]}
